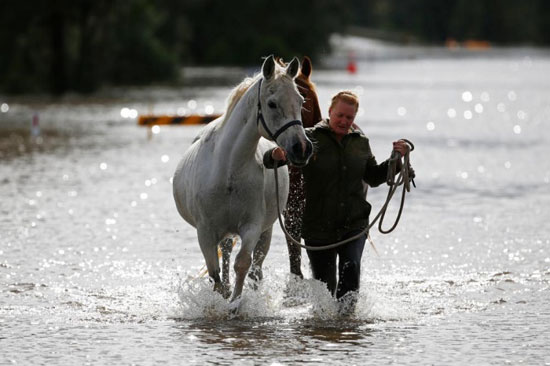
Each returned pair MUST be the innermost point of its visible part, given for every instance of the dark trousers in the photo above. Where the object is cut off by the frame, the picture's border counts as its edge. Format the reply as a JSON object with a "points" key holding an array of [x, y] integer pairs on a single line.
{"points": [[323, 264]]}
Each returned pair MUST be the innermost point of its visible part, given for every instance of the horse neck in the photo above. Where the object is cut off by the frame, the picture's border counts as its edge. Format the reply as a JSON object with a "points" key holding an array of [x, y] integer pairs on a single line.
{"points": [[311, 113], [316, 113], [239, 134]]}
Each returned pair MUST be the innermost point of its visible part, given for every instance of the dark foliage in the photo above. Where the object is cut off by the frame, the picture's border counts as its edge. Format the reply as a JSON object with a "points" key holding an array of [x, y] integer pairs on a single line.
{"points": [[80, 45]]}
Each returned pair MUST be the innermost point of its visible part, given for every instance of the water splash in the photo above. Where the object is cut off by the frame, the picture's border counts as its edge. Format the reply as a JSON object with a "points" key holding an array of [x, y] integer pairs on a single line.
{"points": [[282, 297]]}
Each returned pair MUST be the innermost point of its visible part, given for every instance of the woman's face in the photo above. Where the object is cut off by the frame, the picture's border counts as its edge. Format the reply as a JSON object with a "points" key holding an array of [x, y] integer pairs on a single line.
{"points": [[341, 117]]}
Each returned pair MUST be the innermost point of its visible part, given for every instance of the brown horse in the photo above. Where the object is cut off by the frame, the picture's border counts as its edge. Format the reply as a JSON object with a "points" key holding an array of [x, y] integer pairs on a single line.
{"points": [[311, 114]]}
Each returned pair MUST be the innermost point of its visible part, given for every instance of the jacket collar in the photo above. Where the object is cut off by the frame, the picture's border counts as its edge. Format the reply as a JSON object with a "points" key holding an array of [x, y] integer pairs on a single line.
{"points": [[323, 125]]}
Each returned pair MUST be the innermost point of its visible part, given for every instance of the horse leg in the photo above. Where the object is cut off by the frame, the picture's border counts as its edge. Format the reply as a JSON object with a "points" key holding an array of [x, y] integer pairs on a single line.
{"points": [[226, 246], [260, 252], [209, 249], [243, 262], [293, 220], [294, 251]]}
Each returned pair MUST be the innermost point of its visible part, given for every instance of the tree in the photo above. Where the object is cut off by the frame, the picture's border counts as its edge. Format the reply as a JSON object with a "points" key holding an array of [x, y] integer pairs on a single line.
{"points": [[62, 45]]}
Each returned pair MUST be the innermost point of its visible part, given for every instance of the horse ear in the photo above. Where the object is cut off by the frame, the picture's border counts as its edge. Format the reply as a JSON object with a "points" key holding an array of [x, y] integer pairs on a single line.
{"points": [[293, 67], [306, 67], [268, 68]]}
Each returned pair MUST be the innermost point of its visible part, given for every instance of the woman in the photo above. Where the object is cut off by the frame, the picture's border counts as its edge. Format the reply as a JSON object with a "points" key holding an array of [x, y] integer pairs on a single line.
{"points": [[335, 205]]}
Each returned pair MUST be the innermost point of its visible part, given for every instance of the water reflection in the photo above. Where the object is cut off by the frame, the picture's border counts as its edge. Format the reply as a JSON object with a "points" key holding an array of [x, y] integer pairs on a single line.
{"points": [[16, 142], [272, 335], [351, 331]]}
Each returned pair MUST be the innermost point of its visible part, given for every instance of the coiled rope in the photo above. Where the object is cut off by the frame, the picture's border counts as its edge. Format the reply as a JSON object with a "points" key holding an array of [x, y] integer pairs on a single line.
{"points": [[404, 178]]}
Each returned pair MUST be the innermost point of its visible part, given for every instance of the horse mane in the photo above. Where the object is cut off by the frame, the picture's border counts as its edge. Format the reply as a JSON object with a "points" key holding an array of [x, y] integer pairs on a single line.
{"points": [[306, 81], [237, 93]]}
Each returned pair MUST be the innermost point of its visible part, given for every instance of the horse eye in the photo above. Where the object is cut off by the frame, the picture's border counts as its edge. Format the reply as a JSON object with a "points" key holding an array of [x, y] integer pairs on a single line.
{"points": [[272, 105]]}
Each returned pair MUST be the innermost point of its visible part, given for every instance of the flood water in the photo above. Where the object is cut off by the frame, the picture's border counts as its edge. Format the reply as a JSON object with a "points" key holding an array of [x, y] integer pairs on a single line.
{"points": [[97, 267]]}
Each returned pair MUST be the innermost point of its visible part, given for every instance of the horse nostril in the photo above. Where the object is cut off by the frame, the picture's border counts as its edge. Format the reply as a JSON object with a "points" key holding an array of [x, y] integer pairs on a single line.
{"points": [[300, 152], [297, 149]]}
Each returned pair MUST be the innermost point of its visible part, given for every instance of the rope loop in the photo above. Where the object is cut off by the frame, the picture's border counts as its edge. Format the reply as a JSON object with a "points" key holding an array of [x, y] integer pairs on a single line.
{"points": [[405, 177]]}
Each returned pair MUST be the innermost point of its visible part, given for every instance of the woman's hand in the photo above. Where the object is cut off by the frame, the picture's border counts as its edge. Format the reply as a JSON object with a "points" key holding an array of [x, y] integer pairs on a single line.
{"points": [[278, 154], [401, 147]]}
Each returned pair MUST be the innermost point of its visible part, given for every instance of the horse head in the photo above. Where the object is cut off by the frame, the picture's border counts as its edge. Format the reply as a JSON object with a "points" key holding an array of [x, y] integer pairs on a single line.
{"points": [[280, 110], [311, 112]]}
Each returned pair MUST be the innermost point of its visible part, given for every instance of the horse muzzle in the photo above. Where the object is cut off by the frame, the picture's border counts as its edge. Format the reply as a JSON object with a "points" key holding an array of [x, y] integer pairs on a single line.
{"points": [[300, 153]]}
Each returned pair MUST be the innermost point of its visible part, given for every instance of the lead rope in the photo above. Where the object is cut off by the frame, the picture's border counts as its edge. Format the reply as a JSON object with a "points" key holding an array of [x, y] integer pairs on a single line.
{"points": [[406, 176], [403, 179]]}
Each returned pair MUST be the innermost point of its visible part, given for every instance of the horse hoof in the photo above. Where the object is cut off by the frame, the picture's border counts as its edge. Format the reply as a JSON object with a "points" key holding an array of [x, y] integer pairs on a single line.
{"points": [[226, 293], [234, 306], [256, 275], [222, 290]]}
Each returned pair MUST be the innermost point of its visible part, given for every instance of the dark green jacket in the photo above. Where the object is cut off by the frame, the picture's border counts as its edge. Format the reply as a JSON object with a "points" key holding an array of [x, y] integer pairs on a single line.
{"points": [[335, 198]]}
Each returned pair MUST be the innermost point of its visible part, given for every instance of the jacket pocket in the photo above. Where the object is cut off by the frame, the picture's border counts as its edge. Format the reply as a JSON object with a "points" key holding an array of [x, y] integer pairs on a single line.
{"points": [[314, 218], [360, 211]]}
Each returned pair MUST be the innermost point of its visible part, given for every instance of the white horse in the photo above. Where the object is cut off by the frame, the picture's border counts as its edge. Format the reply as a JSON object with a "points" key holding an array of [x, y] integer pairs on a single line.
{"points": [[221, 186]]}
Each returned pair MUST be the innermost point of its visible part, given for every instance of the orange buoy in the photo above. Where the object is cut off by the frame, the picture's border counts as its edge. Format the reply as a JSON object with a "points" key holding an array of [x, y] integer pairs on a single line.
{"points": [[352, 66]]}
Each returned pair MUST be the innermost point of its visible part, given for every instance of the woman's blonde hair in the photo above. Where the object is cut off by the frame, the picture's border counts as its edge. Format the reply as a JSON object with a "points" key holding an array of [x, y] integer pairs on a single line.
{"points": [[345, 96]]}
